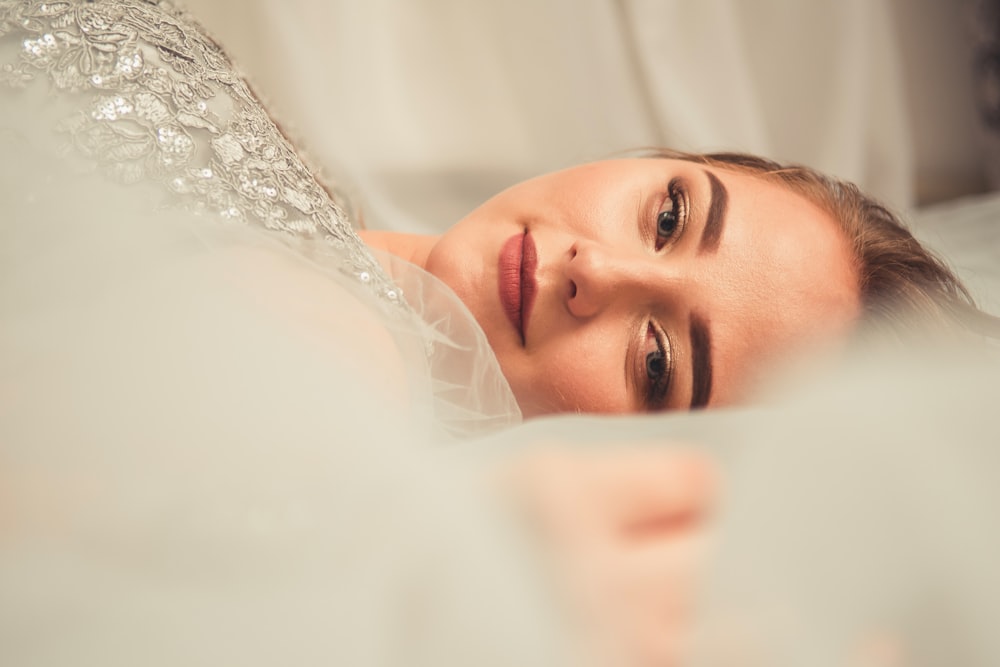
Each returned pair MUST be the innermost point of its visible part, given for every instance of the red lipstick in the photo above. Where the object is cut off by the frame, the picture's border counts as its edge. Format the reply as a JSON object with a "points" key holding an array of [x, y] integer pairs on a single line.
{"points": [[516, 284], [529, 288]]}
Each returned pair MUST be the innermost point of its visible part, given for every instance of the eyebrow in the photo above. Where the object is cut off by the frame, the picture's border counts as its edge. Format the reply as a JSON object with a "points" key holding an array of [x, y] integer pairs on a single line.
{"points": [[701, 362], [715, 219]]}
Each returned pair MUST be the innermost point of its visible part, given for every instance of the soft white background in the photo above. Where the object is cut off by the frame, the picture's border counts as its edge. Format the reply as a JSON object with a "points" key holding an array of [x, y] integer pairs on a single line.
{"points": [[432, 105]]}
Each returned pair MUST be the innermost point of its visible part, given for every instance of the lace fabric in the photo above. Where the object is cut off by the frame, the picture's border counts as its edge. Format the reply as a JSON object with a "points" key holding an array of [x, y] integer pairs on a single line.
{"points": [[136, 90], [165, 104]]}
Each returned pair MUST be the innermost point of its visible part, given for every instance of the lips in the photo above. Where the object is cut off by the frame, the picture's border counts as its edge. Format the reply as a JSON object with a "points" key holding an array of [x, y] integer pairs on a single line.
{"points": [[517, 286]]}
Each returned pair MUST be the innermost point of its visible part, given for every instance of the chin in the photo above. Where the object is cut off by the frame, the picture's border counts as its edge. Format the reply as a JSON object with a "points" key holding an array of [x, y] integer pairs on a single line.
{"points": [[527, 400]]}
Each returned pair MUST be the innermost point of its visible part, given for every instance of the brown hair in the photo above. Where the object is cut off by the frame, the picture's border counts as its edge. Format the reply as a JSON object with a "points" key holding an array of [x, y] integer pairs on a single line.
{"points": [[900, 281]]}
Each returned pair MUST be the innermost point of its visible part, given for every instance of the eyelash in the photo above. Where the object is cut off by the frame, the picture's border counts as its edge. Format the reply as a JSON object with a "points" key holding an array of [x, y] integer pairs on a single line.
{"points": [[676, 215], [656, 390]]}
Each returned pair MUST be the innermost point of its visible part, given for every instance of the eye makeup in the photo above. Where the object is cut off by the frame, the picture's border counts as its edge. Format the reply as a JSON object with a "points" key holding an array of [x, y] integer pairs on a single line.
{"points": [[671, 220], [658, 367]]}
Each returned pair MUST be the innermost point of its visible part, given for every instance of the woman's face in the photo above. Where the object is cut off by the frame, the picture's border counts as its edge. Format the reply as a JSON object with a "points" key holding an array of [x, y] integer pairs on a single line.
{"points": [[646, 284]]}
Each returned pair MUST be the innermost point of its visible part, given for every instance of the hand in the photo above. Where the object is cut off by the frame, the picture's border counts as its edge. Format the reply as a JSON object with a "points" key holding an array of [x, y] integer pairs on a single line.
{"points": [[627, 530]]}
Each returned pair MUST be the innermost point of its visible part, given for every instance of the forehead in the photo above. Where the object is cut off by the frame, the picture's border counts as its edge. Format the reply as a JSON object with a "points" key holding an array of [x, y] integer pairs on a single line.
{"points": [[784, 278]]}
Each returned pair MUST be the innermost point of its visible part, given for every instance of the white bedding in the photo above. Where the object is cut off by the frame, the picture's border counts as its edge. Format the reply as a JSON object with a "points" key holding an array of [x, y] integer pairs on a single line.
{"points": [[966, 233]]}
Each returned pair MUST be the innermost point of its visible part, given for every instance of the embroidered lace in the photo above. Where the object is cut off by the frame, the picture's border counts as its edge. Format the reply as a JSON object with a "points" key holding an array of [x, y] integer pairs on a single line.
{"points": [[164, 103]]}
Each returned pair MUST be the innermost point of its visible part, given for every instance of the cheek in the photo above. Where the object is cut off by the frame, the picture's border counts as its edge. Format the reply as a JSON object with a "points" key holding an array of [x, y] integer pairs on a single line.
{"points": [[578, 373], [454, 262]]}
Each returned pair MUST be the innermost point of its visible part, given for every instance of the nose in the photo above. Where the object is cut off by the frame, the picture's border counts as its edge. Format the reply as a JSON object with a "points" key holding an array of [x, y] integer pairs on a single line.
{"points": [[599, 276]]}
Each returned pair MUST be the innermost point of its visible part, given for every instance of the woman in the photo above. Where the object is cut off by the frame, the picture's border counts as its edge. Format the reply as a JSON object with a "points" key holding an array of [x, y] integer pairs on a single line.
{"points": [[622, 286], [172, 386]]}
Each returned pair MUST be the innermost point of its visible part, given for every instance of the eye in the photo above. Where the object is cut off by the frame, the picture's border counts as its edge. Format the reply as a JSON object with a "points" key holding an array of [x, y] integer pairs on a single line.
{"points": [[658, 367], [670, 221], [666, 224]]}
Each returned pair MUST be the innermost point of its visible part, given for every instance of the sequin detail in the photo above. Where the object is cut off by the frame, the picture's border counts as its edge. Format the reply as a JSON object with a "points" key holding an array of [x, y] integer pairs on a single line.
{"points": [[162, 102]]}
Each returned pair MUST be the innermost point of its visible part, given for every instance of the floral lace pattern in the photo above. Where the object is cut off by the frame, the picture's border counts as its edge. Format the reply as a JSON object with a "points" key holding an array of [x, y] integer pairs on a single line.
{"points": [[162, 102]]}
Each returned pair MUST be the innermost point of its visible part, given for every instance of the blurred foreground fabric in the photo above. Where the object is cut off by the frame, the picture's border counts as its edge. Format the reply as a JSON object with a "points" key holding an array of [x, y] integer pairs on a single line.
{"points": [[185, 478]]}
